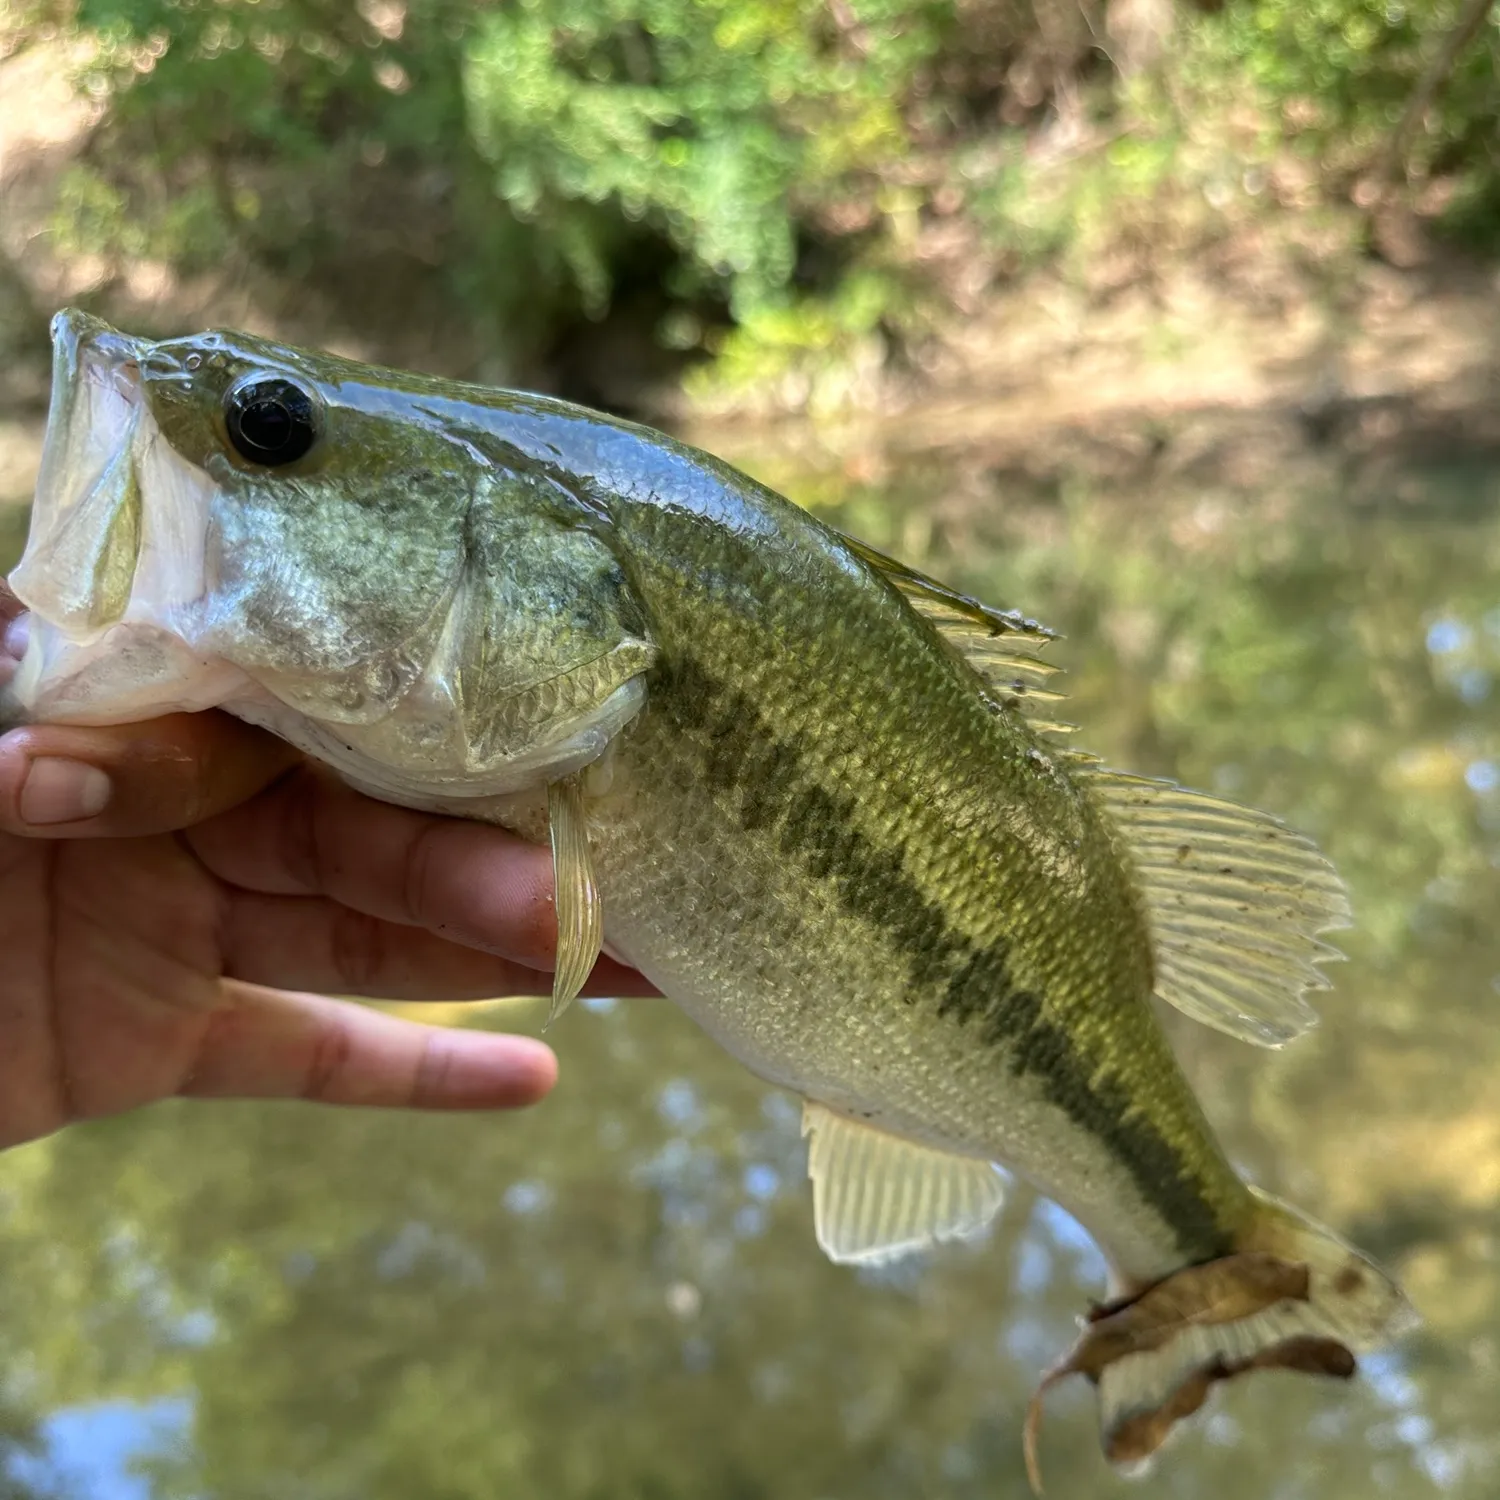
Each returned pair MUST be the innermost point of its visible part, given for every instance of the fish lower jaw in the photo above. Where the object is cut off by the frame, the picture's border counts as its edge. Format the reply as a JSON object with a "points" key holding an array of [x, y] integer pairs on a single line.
{"points": [[134, 671]]}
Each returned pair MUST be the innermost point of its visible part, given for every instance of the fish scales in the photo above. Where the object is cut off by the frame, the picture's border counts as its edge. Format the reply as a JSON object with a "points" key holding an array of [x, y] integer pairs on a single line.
{"points": [[932, 872]]}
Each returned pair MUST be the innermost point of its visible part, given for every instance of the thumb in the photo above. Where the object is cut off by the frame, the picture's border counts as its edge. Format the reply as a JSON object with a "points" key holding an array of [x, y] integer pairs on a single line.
{"points": [[132, 779]]}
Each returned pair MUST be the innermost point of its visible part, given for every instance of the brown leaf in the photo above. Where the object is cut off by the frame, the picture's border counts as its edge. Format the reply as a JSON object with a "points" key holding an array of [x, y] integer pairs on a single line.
{"points": [[1221, 1291], [1141, 1434]]}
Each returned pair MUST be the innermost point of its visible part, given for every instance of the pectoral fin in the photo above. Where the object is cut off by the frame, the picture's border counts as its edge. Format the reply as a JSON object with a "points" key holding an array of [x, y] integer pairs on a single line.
{"points": [[877, 1197], [580, 915]]}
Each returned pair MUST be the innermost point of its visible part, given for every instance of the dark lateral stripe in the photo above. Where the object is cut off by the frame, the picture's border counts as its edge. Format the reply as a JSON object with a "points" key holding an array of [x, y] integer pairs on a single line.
{"points": [[776, 781]]}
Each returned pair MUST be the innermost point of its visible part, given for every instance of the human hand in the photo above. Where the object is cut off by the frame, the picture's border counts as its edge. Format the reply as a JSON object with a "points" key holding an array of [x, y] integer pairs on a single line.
{"points": [[170, 890]]}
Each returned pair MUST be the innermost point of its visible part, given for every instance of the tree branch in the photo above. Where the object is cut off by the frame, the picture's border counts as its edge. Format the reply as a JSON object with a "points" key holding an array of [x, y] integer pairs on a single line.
{"points": [[1439, 70]]}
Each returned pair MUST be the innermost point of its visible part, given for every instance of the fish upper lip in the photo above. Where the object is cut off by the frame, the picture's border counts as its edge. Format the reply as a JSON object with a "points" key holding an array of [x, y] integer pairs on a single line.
{"points": [[85, 345], [85, 351], [72, 329]]}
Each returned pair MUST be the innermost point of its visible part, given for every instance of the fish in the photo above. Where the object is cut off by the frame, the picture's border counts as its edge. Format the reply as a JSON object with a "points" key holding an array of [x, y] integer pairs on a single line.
{"points": [[823, 801]]}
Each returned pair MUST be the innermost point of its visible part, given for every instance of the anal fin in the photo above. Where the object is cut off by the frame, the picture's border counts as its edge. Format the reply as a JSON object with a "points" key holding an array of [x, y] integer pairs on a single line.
{"points": [[877, 1196]]}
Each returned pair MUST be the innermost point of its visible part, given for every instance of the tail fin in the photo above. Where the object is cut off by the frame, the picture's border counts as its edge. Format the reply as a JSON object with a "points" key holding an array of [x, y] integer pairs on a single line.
{"points": [[1294, 1297]]}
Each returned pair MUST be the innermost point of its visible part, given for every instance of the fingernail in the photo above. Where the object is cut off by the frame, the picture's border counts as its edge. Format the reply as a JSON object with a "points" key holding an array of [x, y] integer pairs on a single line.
{"points": [[17, 634], [62, 791]]}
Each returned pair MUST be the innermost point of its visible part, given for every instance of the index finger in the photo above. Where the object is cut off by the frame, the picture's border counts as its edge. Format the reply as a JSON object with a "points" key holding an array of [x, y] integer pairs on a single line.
{"points": [[470, 883]]}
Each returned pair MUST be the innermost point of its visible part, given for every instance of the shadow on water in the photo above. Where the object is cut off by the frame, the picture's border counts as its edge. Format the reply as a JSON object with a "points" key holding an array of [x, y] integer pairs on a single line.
{"points": [[618, 1294]]}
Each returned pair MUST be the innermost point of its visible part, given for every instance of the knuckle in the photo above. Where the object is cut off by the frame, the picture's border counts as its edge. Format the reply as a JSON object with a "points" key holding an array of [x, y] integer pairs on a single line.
{"points": [[359, 949], [332, 1050], [434, 1072], [296, 834], [419, 869]]}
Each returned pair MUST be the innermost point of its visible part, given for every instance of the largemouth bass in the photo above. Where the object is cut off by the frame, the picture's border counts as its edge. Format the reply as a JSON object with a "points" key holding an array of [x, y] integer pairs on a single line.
{"points": [[817, 798]]}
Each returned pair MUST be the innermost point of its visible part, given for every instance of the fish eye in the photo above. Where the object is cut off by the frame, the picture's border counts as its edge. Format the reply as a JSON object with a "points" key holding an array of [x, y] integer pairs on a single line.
{"points": [[270, 420]]}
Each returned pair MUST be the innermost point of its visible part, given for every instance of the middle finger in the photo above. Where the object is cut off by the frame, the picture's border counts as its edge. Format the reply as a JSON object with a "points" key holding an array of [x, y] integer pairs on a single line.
{"points": [[469, 883]]}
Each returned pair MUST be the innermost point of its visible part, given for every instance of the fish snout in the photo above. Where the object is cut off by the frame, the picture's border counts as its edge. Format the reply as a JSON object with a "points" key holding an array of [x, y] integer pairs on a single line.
{"points": [[77, 335], [85, 523]]}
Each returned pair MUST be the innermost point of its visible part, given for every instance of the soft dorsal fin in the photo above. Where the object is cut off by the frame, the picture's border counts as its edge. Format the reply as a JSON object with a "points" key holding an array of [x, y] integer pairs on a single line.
{"points": [[877, 1197], [1235, 901], [1002, 647]]}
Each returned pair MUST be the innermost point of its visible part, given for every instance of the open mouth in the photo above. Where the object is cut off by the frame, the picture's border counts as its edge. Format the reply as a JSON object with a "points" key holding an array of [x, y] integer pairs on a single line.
{"points": [[113, 571], [79, 565]]}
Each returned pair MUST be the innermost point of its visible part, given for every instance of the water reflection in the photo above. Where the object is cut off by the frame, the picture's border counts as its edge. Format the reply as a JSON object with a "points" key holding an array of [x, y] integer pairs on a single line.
{"points": [[619, 1294]]}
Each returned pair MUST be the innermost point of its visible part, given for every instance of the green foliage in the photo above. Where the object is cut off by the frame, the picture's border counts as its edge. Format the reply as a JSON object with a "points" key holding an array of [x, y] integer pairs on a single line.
{"points": [[532, 151], [1346, 65], [781, 161], [93, 214], [724, 125], [1339, 75], [1039, 213], [1258, 107], [729, 129], [311, 138], [291, 78], [814, 347]]}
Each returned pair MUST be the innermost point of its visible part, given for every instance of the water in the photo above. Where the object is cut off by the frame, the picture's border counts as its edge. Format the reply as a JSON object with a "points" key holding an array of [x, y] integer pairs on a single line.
{"points": [[618, 1294]]}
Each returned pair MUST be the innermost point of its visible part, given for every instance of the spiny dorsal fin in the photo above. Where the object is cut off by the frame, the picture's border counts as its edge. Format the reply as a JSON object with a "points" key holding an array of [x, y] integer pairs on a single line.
{"points": [[1234, 900], [877, 1197], [1002, 647]]}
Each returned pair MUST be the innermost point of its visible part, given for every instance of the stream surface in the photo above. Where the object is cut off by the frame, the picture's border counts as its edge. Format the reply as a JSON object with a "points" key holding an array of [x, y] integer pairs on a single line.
{"points": [[618, 1294]]}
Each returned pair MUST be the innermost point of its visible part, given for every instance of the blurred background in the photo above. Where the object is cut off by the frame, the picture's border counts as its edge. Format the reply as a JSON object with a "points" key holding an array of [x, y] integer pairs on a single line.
{"points": [[1175, 325]]}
